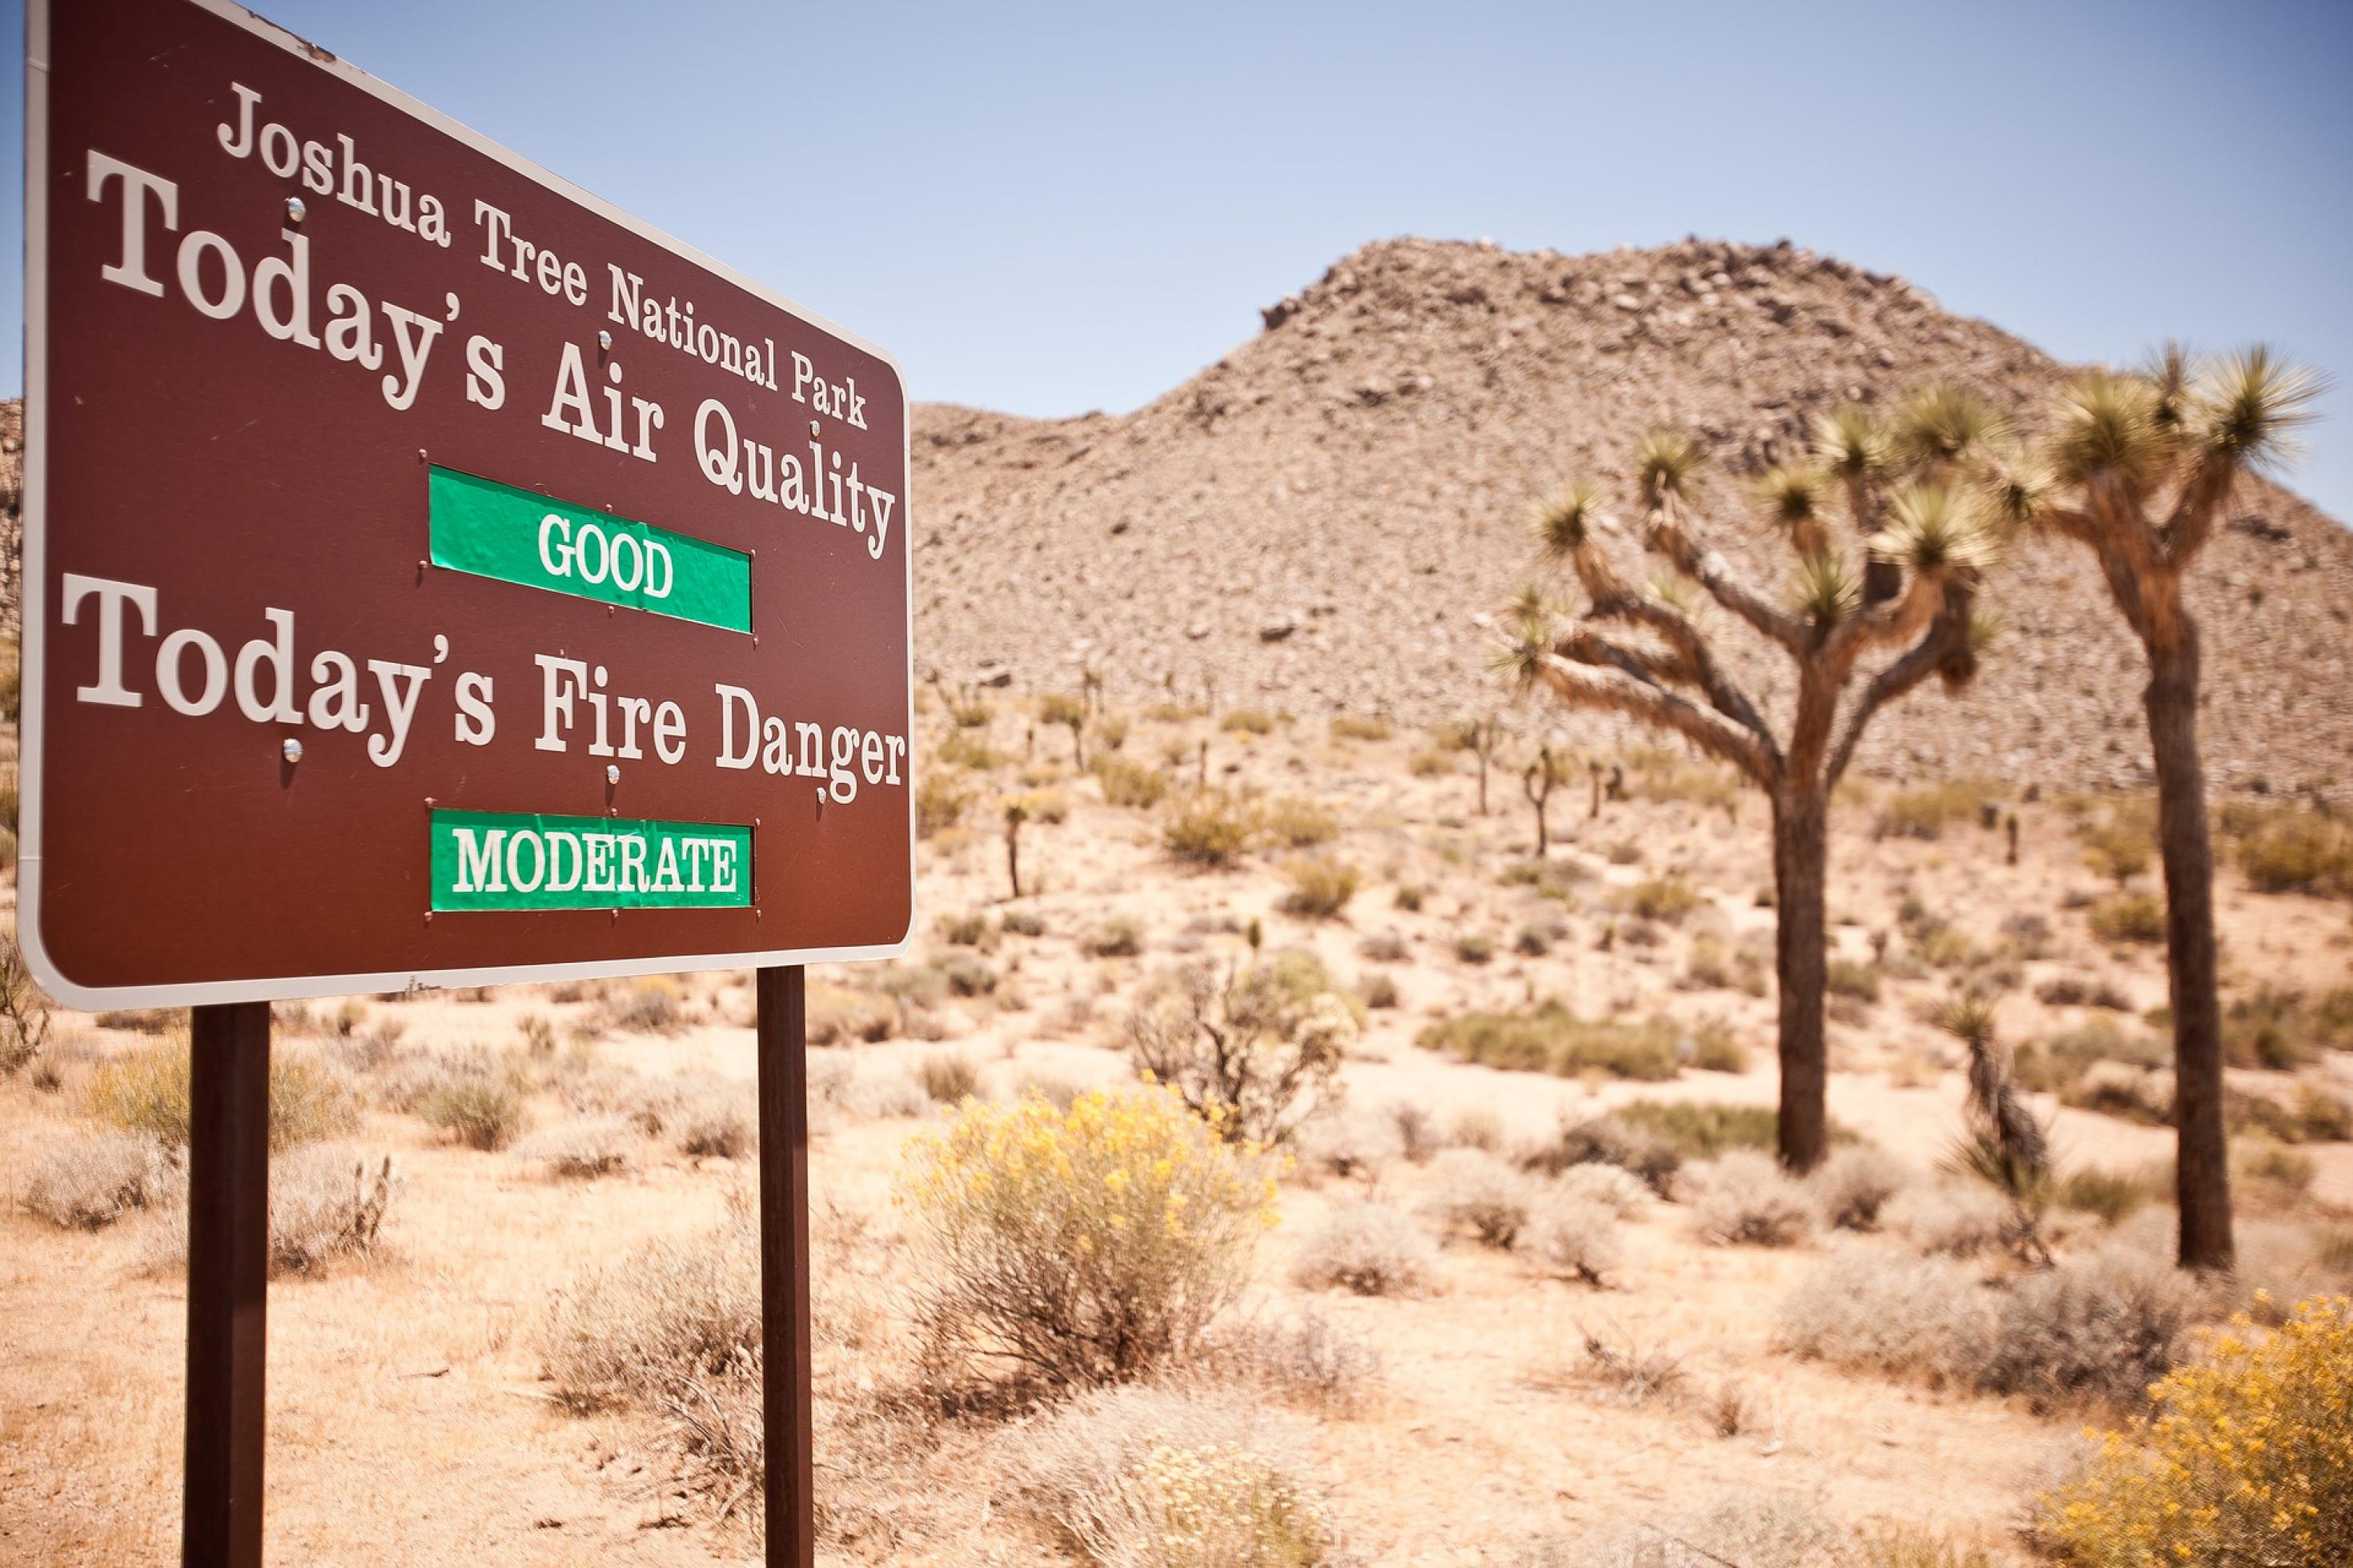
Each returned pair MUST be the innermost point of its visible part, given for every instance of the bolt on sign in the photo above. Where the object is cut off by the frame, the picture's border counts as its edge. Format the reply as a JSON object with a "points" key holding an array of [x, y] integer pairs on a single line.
{"points": [[433, 574]]}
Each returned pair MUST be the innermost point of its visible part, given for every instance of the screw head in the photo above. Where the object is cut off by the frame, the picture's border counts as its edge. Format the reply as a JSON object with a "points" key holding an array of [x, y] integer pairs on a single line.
{"points": [[612, 773], [291, 750], [295, 211], [603, 340]]}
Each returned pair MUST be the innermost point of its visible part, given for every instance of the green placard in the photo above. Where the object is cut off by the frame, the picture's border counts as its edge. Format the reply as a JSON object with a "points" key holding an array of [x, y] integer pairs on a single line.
{"points": [[519, 536], [508, 860]]}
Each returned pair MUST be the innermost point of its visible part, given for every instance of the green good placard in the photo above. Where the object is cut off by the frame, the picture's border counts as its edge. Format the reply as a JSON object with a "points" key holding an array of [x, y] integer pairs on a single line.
{"points": [[515, 535]]}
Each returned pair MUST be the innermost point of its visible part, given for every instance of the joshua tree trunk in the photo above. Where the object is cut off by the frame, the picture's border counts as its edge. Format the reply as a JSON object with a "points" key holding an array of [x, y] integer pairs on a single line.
{"points": [[2202, 1166], [1801, 854]]}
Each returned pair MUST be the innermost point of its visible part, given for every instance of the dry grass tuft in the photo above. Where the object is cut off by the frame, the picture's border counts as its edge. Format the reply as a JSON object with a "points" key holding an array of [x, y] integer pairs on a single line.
{"points": [[89, 1183], [1744, 1199], [582, 1151], [1575, 1238], [1925, 1317], [1854, 1184], [1480, 1194]]}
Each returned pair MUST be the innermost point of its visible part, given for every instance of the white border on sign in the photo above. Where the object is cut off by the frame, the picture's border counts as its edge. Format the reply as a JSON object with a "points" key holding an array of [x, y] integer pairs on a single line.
{"points": [[33, 591]]}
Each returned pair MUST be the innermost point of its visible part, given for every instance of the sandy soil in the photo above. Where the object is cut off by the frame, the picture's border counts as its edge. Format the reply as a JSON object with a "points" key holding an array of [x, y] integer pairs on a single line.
{"points": [[410, 1421]]}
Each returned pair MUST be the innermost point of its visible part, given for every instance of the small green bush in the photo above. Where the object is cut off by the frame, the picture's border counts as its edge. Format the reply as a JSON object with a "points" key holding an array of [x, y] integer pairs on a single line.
{"points": [[1554, 1040], [948, 1076], [2113, 1195], [1357, 727], [1249, 721], [1926, 813], [1208, 828], [2129, 917], [1475, 947], [1851, 977], [146, 1091], [940, 801], [1707, 1129], [2290, 851], [1667, 899], [1292, 823], [483, 1108], [1321, 886], [1129, 783]]}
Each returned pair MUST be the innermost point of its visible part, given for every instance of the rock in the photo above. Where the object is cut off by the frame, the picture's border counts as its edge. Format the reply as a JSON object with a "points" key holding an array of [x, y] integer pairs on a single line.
{"points": [[992, 674], [1197, 630], [1277, 629]]}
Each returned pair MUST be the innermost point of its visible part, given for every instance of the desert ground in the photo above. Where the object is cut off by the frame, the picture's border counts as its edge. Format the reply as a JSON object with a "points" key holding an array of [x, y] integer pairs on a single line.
{"points": [[1491, 1410]]}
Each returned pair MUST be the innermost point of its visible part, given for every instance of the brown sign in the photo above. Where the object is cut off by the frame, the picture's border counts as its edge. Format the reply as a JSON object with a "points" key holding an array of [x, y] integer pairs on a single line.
{"points": [[433, 575]]}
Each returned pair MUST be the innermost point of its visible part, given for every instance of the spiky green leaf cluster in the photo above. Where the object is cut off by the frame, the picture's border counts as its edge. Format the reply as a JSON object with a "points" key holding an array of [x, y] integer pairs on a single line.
{"points": [[1851, 443], [2247, 406], [1933, 530], [1828, 587], [1665, 464], [1794, 496], [1943, 425], [2108, 432], [1566, 521]]}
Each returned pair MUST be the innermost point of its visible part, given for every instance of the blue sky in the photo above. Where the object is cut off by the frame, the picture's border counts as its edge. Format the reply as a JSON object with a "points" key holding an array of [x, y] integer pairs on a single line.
{"points": [[1051, 208]]}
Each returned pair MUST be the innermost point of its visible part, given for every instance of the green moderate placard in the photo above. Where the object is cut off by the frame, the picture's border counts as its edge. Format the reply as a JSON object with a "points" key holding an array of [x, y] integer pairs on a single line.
{"points": [[519, 536], [509, 860]]}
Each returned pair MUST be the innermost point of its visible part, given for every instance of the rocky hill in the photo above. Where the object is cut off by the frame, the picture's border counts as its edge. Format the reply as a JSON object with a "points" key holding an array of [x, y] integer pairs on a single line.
{"points": [[1324, 519]]}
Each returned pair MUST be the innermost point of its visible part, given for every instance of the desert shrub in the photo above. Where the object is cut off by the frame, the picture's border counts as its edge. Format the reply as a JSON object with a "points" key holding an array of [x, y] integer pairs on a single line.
{"points": [[837, 1014], [583, 1150], [1118, 937], [1744, 1199], [650, 1006], [1321, 886], [2266, 1030], [89, 1183], [2060, 1064], [1851, 977], [1384, 947], [324, 1204], [2072, 990], [2322, 1117], [2285, 849], [1429, 764], [968, 751], [2249, 1460], [2122, 841], [1475, 1126], [1082, 1246], [1153, 1478], [1350, 1144], [1753, 1530], [2102, 1327], [1480, 1194], [2129, 917], [1704, 1129], [1854, 1184], [1367, 1247], [1128, 782], [1475, 947], [1359, 727], [1553, 1039], [1248, 721], [965, 973], [1379, 991], [143, 1020], [1923, 1316], [1302, 1360], [940, 801], [882, 1092], [1667, 899], [714, 1119], [967, 930], [1575, 1238], [1022, 922], [145, 1090], [1619, 1191], [1953, 1218], [669, 1316], [1291, 822], [481, 1105], [1532, 942], [2110, 1194], [24, 1012], [2261, 1163], [1208, 828], [1258, 1046], [948, 1076], [1925, 812], [1607, 1141]]}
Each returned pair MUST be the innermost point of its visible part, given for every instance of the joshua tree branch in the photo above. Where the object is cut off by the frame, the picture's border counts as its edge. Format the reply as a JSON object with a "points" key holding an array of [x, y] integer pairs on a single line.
{"points": [[1727, 699], [1615, 689], [1642, 664], [1918, 663], [1712, 573], [1890, 621], [2191, 523]]}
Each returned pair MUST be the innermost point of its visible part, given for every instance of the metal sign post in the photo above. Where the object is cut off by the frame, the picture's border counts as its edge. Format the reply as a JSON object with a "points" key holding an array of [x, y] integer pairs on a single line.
{"points": [[433, 576]]}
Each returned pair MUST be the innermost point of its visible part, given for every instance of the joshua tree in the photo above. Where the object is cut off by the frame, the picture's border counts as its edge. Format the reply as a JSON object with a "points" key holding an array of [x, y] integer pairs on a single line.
{"points": [[2006, 1146], [1537, 782], [1071, 712], [1017, 812], [1909, 489], [2140, 468]]}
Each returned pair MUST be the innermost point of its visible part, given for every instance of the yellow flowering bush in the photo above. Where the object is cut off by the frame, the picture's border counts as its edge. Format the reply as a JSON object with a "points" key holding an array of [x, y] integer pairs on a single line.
{"points": [[2249, 1460], [1220, 1504], [1084, 1245]]}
